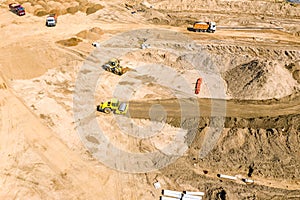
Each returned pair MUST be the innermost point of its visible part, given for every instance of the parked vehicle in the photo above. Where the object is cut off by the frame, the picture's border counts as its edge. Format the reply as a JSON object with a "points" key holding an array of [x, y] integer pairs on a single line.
{"points": [[17, 8], [51, 20]]}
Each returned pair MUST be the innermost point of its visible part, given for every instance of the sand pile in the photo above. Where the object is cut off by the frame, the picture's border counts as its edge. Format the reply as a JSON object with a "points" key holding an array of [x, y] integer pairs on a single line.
{"points": [[185, 12], [249, 7], [44, 7], [91, 34], [245, 69], [274, 153], [158, 57], [73, 41], [260, 80], [229, 56]]}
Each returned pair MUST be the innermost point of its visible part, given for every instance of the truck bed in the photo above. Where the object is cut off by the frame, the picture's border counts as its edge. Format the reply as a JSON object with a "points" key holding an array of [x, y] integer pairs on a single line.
{"points": [[202, 26]]}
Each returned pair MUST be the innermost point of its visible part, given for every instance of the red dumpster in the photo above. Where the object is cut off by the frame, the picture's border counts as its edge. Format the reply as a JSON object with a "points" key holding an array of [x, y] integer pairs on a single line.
{"points": [[198, 85]]}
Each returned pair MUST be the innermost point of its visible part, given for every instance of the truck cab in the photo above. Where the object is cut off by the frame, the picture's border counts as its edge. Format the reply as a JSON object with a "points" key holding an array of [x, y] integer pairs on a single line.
{"points": [[212, 27]]}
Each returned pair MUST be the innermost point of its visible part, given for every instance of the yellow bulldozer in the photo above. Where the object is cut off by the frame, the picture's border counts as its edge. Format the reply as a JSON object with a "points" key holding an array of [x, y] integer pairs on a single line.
{"points": [[113, 105], [113, 65]]}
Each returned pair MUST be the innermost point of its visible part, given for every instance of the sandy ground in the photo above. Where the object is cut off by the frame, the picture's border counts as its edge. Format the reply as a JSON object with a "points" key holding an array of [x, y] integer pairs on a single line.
{"points": [[254, 100]]}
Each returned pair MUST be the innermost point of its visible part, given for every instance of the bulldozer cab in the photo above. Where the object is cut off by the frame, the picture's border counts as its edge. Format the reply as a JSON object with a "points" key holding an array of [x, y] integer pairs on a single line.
{"points": [[113, 103], [114, 62], [113, 65], [108, 106]]}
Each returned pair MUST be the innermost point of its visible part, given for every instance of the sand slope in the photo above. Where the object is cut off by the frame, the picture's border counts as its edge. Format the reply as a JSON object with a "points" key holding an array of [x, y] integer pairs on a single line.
{"points": [[31, 151]]}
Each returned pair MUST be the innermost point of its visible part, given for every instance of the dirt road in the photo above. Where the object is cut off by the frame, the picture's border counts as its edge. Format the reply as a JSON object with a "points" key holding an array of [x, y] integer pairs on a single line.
{"points": [[233, 108]]}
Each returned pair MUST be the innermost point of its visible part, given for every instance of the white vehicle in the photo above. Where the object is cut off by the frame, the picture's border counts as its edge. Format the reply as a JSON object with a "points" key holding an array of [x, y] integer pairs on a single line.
{"points": [[51, 20]]}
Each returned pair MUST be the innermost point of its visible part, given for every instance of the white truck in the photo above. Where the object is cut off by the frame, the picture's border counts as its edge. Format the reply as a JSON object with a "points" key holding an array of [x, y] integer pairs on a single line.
{"points": [[51, 20]]}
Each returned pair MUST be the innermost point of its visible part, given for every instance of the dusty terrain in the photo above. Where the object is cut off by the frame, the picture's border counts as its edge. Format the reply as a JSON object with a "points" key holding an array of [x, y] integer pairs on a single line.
{"points": [[244, 122]]}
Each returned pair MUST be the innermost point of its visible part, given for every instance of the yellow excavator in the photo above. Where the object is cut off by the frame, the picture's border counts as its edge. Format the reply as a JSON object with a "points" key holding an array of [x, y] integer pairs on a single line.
{"points": [[113, 65]]}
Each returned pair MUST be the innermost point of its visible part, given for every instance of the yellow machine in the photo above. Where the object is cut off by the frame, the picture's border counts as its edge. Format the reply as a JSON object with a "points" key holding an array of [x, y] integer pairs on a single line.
{"points": [[113, 105], [113, 65]]}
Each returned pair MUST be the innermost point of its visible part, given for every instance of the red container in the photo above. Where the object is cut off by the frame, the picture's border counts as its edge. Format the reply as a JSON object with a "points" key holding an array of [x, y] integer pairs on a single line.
{"points": [[198, 85]]}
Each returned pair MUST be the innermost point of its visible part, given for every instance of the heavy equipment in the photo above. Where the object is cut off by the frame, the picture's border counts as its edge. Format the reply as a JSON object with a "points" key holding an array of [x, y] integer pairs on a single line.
{"points": [[113, 105], [113, 65], [200, 26]]}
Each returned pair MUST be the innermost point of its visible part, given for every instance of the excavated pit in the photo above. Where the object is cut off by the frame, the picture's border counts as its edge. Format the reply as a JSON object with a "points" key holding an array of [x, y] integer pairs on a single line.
{"points": [[260, 136]]}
